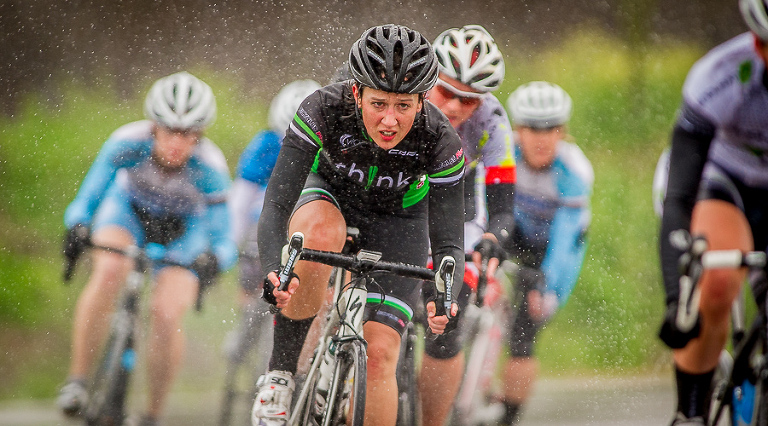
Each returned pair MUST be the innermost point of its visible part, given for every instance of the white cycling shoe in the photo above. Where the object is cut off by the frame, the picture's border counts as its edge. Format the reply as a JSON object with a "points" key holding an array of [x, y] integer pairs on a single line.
{"points": [[72, 398], [272, 406]]}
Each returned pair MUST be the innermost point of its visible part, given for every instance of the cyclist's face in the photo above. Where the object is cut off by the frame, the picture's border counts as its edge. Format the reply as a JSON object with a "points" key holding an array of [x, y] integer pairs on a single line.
{"points": [[539, 146], [455, 99], [387, 116], [173, 148]]}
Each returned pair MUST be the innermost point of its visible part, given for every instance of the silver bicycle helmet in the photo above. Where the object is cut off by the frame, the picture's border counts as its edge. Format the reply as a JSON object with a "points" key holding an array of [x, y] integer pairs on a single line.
{"points": [[539, 104], [756, 16], [393, 58], [180, 101], [469, 55], [287, 101]]}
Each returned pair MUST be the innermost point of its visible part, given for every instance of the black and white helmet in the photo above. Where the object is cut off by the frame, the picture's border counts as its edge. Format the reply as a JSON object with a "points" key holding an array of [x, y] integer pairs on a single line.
{"points": [[287, 101], [469, 55], [539, 104], [755, 14], [180, 101], [393, 58]]}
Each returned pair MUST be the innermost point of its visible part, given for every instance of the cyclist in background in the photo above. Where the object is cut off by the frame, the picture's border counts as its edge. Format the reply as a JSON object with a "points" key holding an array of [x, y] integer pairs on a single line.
{"points": [[247, 198], [471, 67], [368, 153], [718, 188], [157, 180], [552, 214]]}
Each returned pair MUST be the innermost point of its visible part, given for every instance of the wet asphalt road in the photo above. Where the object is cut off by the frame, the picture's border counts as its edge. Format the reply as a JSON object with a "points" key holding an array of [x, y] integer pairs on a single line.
{"points": [[623, 401]]}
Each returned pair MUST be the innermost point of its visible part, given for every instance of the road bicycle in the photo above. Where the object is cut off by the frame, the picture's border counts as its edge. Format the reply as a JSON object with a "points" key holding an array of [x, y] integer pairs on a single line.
{"points": [[739, 386], [333, 390], [108, 386], [484, 325]]}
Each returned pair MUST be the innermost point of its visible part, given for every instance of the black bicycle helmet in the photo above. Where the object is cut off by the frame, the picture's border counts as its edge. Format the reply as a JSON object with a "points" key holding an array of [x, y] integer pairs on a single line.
{"points": [[393, 58]]}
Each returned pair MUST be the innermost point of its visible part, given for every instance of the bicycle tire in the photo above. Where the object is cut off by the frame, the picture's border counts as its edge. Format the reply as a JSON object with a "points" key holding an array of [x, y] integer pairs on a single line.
{"points": [[346, 394], [109, 386], [407, 390], [473, 399]]}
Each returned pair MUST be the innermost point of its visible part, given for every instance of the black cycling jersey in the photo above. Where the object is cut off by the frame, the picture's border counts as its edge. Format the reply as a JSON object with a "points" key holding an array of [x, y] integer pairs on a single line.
{"points": [[422, 173]]}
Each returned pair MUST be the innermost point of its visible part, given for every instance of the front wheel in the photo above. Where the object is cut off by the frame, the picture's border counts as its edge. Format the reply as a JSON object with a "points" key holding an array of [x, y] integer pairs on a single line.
{"points": [[346, 395], [110, 383], [407, 391]]}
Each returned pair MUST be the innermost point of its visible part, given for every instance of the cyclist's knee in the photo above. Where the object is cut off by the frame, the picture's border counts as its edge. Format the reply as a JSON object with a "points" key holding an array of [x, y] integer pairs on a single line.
{"points": [[323, 226], [383, 350], [718, 290]]}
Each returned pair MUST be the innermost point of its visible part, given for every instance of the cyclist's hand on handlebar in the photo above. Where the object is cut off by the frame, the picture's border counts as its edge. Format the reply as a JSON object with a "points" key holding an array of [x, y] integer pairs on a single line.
{"points": [[273, 295], [76, 240], [206, 266], [441, 324], [489, 249]]}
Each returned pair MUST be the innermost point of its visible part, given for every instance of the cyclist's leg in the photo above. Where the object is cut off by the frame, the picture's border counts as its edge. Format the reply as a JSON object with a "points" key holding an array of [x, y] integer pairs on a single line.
{"points": [[522, 367], [174, 293], [318, 216], [439, 381], [725, 227], [442, 368], [390, 303], [381, 385], [113, 226]]}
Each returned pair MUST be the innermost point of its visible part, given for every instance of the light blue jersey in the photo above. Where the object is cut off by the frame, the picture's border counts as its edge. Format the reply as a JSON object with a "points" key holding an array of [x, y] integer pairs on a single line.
{"points": [[254, 169], [552, 213], [124, 178]]}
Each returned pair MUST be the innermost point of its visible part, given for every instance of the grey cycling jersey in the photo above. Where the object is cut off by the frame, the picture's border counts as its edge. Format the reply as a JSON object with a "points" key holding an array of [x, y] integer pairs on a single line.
{"points": [[486, 136], [724, 95]]}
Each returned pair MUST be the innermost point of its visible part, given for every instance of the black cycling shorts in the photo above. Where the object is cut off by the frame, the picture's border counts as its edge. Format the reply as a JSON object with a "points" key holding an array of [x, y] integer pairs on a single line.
{"points": [[398, 238], [523, 331], [717, 184], [448, 345]]}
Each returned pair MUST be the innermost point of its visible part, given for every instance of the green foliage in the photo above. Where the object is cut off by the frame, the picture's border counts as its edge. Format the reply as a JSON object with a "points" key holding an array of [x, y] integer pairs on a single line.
{"points": [[624, 105]]}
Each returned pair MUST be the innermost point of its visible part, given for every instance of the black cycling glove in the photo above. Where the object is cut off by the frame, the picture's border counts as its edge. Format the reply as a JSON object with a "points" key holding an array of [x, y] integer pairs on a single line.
{"points": [[670, 334], [206, 266], [489, 248], [76, 240], [268, 290]]}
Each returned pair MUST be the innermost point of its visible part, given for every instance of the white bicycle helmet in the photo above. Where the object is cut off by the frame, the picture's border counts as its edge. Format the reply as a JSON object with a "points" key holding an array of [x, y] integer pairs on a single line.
{"points": [[539, 104], [287, 101], [180, 101], [469, 55], [756, 16]]}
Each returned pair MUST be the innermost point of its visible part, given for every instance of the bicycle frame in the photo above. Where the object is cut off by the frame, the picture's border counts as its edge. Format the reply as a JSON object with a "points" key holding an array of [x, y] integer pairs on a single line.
{"points": [[109, 384], [339, 328], [484, 326], [344, 328]]}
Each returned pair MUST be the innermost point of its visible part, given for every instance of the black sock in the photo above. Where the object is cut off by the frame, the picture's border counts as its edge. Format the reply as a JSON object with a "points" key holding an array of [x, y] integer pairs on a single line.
{"points": [[511, 413], [289, 338], [693, 392]]}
